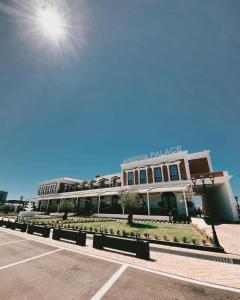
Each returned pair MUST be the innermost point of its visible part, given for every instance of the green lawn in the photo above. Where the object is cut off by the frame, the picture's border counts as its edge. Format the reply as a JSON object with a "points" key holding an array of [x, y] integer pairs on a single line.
{"points": [[154, 230]]}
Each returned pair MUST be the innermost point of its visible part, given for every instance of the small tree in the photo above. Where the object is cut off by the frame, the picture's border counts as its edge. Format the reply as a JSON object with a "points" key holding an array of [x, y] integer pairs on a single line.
{"points": [[6, 208], [66, 207], [130, 201], [19, 208]]}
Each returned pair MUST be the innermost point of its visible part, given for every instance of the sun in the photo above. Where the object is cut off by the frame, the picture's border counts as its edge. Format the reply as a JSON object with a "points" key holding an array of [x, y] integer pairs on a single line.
{"points": [[51, 23], [55, 27]]}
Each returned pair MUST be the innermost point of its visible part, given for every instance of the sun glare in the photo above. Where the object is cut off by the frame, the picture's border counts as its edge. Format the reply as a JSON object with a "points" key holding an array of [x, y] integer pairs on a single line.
{"points": [[55, 27], [51, 23]]}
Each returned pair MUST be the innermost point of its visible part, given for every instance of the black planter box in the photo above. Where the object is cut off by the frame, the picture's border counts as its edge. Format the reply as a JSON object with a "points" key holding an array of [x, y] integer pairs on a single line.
{"points": [[43, 230], [18, 225], [78, 236], [7, 224], [188, 246], [141, 248]]}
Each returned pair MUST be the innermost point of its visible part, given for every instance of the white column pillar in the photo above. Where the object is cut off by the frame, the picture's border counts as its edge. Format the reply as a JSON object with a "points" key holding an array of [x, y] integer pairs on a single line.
{"points": [[185, 203], [148, 204], [99, 200], [47, 205], [41, 205], [123, 209]]}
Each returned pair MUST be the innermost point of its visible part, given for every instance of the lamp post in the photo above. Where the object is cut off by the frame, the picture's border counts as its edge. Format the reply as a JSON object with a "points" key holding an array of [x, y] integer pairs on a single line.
{"points": [[214, 233]]}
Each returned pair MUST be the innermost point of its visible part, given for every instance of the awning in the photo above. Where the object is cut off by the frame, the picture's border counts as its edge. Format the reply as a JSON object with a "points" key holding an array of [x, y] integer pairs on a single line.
{"points": [[97, 192], [109, 193], [143, 191], [168, 189]]}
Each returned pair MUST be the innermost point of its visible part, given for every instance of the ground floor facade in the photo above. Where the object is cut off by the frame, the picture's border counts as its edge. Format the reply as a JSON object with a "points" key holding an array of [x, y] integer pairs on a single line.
{"points": [[153, 201]]}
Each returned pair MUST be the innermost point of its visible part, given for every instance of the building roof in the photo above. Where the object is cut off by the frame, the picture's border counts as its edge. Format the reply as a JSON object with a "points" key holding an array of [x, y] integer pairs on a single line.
{"points": [[62, 179]]}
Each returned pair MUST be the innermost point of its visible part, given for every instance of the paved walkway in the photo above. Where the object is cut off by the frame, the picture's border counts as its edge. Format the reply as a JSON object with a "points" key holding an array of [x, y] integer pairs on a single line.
{"points": [[228, 235], [208, 267], [45, 269]]}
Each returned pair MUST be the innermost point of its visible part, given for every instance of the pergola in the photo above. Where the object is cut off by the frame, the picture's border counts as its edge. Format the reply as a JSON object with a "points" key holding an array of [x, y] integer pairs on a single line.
{"points": [[115, 192]]}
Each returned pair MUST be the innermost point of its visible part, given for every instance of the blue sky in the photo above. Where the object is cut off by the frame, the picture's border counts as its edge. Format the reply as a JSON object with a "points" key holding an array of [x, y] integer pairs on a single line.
{"points": [[144, 75]]}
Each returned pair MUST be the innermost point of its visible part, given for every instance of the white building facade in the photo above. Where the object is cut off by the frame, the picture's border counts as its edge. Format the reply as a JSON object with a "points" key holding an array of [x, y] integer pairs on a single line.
{"points": [[163, 183]]}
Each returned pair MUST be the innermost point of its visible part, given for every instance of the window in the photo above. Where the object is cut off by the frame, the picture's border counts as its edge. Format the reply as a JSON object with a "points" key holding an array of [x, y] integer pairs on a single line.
{"points": [[130, 178], [157, 174], [173, 169], [143, 176]]}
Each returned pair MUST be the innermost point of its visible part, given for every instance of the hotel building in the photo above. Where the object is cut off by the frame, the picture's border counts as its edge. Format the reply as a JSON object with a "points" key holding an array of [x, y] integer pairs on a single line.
{"points": [[163, 183]]}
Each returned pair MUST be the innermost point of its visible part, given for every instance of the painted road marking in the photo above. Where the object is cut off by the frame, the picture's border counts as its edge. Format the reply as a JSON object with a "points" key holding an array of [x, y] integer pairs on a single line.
{"points": [[170, 275], [30, 259], [109, 283], [13, 242]]}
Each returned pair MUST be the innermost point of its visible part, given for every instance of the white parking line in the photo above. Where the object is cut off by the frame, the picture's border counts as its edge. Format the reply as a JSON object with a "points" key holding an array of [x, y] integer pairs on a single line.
{"points": [[109, 283], [13, 242], [170, 275], [29, 259]]}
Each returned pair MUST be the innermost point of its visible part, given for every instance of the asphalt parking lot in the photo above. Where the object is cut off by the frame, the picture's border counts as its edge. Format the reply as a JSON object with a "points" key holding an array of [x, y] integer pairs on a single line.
{"points": [[37, 270]]}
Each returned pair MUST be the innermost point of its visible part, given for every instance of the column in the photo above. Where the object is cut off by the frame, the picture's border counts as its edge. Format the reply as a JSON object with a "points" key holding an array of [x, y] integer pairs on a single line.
{"points": [[99, 200], [148, 205], [185, 203], [47, 205], [41, 201]]}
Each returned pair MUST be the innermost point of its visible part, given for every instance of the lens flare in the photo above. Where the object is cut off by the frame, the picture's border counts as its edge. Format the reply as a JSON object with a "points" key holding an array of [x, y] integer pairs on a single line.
{"points": [[54, 27], [51, 23]]}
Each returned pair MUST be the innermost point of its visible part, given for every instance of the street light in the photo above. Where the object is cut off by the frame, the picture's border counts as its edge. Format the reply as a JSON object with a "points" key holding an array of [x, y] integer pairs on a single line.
{"points": [[214, 234]]}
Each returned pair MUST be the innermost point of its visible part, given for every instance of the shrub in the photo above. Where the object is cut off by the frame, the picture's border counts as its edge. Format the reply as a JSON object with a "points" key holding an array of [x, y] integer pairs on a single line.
{"points": [[111, 231], [210, 240], [90, 228], [204, 242], [194, 241], [156, 237], [175, 239], [132, 233], [184, 239], [165, 237], [105, 230], [118, 232], [146, 235], [95, 229]]}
